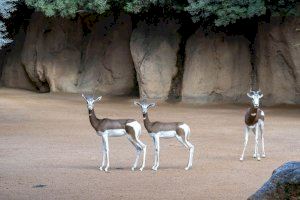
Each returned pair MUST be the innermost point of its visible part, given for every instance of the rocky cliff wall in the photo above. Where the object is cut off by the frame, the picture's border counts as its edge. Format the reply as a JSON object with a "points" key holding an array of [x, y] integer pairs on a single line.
{"points": [[111, 57]]}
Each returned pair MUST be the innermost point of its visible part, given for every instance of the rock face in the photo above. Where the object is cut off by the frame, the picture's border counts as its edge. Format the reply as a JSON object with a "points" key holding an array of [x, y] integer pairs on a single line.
{"points": [[51, 53], [217, 68], [154, 52], [283, 184], [58, 57], [102, 54], [107, 63], [13, 72], [278, 53]]}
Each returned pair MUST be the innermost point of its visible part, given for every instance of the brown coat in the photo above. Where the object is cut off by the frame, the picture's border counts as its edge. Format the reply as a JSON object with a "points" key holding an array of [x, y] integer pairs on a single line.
{"points": [[253, 115], [155, 127], [106, 124]]}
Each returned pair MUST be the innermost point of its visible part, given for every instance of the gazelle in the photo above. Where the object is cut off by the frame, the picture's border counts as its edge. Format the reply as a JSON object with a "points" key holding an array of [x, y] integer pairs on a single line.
{"points": [[114, 128], [254, 120], [159, 130]]}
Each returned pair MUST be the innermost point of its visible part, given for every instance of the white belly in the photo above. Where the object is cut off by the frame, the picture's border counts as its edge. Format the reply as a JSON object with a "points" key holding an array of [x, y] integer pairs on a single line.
{"points": [[252, 127], [113, 132], [166, 134]]}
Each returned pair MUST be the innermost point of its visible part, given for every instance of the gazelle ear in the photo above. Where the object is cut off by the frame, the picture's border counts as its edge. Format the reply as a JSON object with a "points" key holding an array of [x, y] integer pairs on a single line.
{"points": [[137, 103], [83, 96], [151, 105], [260, 94], [99, 98], [249, 95]]}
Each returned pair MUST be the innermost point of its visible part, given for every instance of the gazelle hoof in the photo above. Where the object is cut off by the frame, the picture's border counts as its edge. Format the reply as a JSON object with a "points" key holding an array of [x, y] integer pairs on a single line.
{"points": [[154, 168], [106, 169], [132, 168], [263, 156], [141, 169], [254, 155], [187, 168], [258, 159], [101, 168], [241, 158]]}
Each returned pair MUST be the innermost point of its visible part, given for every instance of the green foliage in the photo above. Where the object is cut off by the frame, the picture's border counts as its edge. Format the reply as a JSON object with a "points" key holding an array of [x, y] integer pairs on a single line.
{"points": [[282, 7], [138, 6], [218, 12], [68, 7], [224, 12], [6, 8]]}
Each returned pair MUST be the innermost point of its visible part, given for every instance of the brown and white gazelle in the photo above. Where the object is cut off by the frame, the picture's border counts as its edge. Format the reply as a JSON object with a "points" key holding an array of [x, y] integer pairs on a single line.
{"points": [[159, 130], [254, 120], [115, 128]]}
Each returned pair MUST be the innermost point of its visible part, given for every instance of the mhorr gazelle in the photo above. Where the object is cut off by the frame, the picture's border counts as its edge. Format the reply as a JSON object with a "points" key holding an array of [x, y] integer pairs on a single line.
{"points": [[179, 130], [254, 120], [106, 128]]}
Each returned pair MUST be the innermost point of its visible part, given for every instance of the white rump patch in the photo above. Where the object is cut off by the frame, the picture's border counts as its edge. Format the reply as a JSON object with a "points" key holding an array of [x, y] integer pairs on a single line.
{"points": [[186, 128], [253, 114], [251, 127], [136, 127]]}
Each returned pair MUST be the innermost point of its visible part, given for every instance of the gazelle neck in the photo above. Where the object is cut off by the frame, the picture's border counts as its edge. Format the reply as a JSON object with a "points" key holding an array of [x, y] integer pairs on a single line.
{"points": [[93, 119], [253, 109], [146, 120]]}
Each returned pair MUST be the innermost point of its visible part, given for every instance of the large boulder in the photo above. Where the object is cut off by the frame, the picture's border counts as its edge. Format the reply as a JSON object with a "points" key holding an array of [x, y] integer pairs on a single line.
{"points": [[283, 184], [107, 64], [52, 52], [154, 52], [59, 56], [278, 51], [13, 72], [217, 68]]}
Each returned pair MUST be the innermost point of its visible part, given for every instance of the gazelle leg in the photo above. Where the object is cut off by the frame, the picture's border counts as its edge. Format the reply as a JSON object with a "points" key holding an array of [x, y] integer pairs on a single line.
{"points": [[156, 144], [106, 146], [191, 149], [138, 152], [255, 149], [262, 141], [245, 142], [179, 138], [144, 147], [103, 154], [155, 155], [256, 142]]}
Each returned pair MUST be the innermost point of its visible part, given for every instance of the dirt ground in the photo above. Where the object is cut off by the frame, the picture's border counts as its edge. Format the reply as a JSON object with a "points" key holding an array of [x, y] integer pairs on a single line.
{"points": [[48, 150]]}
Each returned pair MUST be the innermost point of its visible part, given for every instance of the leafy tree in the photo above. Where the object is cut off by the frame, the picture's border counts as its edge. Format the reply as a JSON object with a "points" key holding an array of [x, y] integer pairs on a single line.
{"points": [[282, 7], [218, 12], [224, 12], [67, 8], [138, 6], [6, 8]]}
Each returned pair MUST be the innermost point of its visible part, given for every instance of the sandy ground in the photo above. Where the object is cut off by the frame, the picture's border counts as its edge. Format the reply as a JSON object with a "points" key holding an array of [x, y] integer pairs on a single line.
{"points": [[46, 140]]}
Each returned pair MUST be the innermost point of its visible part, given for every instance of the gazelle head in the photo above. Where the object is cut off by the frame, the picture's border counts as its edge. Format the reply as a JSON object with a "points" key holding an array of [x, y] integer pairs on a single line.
{"points": [[144, 105], [255, 96], [90, 101]]}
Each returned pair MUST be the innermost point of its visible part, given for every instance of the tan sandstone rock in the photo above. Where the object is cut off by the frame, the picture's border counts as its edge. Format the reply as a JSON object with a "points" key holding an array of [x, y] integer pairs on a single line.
{"points": [[154, 52], [14, 74], [278, 54], [217, 68], [57, 53], [107, 64], [52, 52]]}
